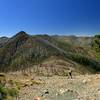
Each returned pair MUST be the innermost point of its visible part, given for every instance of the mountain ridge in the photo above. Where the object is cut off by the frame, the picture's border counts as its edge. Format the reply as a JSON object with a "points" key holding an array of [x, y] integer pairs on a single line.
{"points": [[24, 51]]}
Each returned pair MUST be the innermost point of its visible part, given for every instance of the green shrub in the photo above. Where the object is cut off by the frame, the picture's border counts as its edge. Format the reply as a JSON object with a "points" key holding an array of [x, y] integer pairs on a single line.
{"points": [[13, 92], [96, 45], [3, 92], [7, 93]]}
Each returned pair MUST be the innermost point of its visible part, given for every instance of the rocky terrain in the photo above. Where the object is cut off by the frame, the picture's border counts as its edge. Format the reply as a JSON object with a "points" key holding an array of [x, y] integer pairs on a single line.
{"points": [[26, 87], [83, 87]]}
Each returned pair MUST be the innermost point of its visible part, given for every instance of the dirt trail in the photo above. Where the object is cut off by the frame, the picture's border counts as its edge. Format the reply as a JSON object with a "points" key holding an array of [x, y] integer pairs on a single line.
{"points": [[62, 88]]}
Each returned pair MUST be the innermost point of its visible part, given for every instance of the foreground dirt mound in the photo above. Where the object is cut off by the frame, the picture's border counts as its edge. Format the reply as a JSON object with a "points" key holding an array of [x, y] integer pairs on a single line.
{"points": [[62, 88]]}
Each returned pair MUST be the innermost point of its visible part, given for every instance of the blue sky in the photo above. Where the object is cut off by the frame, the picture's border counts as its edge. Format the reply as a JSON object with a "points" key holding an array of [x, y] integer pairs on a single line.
{"points": [[64, 17]]}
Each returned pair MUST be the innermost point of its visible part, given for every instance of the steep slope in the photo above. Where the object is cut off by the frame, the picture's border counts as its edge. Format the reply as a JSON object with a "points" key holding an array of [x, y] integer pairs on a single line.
{"points": [[23, 51], [10, 47]]}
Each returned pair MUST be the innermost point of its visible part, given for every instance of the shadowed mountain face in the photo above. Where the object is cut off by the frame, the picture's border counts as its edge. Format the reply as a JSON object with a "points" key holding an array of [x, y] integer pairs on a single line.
{"points": [[3, 40], [43, 53]]}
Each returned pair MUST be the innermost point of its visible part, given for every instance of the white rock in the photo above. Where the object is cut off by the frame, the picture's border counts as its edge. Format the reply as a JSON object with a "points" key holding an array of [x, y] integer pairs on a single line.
{"points": [[62, 91], [84, 81]]}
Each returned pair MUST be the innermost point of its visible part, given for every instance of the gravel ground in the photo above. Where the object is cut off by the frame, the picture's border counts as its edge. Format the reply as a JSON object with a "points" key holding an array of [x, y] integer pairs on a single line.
{"points": [[62, 88]]}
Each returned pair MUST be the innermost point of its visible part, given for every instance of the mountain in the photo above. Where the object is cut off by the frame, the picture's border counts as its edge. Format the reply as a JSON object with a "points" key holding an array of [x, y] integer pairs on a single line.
{"points": [[3, 40], [80, 41], [48, 55]]}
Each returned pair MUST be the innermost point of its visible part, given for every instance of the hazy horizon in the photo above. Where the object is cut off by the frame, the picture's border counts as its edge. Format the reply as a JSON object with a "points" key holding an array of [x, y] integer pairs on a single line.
{"points": [[51, 34]]}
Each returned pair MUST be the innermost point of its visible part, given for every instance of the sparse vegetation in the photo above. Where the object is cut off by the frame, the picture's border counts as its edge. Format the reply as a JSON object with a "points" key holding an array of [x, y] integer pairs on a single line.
{"points": [[23, 51], [45, 55], [6, 93]]}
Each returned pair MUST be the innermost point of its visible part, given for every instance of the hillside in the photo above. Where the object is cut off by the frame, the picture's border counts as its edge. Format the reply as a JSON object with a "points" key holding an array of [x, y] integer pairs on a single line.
{"points": [[96, 46], [48, 55], [3, 40]]}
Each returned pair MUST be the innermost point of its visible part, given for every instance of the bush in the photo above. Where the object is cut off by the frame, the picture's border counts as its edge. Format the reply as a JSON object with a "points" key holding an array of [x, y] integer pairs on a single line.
{"points": [[13, 92], [6, 93], [3, 93]]}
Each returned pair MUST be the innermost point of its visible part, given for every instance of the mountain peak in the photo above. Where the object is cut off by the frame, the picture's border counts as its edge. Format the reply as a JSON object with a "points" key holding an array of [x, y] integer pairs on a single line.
{"points": [[21, 33]]}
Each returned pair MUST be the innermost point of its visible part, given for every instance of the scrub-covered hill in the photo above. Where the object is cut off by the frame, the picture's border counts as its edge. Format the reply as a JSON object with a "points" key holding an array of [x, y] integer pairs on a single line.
{"points": [[43, 54]]}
